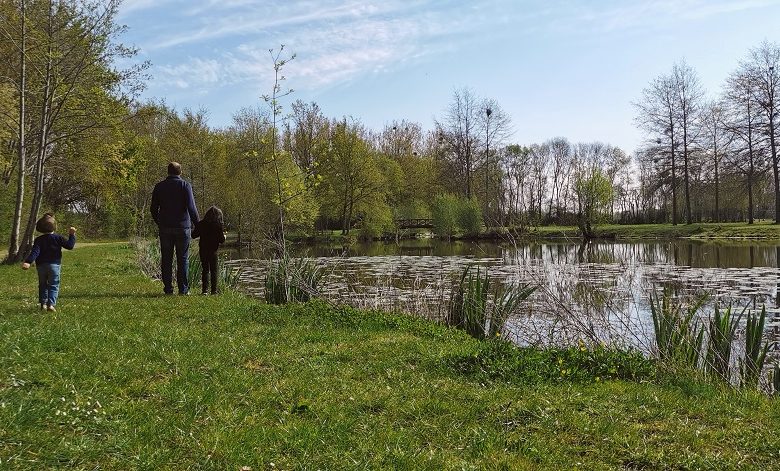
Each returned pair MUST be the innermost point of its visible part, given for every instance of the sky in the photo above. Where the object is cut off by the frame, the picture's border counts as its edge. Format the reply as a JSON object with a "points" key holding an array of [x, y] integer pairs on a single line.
{"points": [[557, 68]]}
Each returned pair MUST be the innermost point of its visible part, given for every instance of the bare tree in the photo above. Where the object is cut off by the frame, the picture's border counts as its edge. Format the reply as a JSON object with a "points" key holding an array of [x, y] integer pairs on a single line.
{"points": [[688, 102], [741, 121], [657, 115], [763, 70], [716, 140], [460, 131]]}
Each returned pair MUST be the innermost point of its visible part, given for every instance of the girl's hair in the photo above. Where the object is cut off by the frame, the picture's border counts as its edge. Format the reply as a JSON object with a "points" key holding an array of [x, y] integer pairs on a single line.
{"points": [[213, 214], [46, 224]]}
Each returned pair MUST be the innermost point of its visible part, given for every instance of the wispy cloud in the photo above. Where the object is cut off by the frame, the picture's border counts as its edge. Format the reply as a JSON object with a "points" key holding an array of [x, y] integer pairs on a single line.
{"points": [[209, 43]]}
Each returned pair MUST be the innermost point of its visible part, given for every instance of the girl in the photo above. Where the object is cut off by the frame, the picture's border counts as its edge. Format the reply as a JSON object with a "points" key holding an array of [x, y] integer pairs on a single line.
{"points": [[212, 233]]}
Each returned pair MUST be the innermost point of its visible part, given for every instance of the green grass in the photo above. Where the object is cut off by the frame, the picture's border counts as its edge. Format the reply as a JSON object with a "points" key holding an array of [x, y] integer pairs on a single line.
{"points": [[155, 382], [764, 230]]}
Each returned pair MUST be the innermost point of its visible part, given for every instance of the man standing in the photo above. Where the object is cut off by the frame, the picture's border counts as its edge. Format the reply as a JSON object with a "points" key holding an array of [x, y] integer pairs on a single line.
{"points": [[173, 209]]}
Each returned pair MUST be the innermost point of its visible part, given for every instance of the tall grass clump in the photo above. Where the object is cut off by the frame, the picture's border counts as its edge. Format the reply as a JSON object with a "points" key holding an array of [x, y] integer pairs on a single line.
{"points": [[481, 307], [291, 280], [678, 335], [755, 353], [723, 331], [147, 256]]}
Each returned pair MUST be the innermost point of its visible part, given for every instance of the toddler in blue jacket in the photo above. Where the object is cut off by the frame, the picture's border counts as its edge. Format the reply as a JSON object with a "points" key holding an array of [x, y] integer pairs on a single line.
{"points": [[47, 255]]}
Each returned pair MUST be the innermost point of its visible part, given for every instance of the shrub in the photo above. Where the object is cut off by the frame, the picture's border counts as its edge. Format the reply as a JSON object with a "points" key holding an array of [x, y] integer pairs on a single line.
{"points": [[445, 215], [469, 216]]}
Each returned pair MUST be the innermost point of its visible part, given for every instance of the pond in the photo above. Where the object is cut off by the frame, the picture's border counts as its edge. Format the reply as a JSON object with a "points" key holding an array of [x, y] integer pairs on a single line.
{"points": [[596, 292]]}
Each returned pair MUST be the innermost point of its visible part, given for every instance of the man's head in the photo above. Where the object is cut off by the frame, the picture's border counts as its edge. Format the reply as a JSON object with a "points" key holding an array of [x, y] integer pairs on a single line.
{"points": [[174, 168]]}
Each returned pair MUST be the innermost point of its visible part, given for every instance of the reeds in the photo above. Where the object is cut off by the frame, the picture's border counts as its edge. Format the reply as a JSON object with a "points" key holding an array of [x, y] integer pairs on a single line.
{"points": [[291, 280], [481, 307], [755, 353], [723, 331], [678, 334]]}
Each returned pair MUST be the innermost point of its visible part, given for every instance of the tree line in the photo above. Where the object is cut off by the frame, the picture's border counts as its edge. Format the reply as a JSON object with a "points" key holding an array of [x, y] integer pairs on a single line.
{"points": [[75, 139]]}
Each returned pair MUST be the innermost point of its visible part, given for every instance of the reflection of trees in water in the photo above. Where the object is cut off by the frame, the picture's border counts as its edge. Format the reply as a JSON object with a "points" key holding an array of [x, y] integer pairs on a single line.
{"points": [[595, 292]]}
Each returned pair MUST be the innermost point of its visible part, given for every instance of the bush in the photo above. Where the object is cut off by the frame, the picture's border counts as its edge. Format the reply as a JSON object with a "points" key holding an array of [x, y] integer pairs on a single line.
{"points": [[469, 216], [444, 211]]}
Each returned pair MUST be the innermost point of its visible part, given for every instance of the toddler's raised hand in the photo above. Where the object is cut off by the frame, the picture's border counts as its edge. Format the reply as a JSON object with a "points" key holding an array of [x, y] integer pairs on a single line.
{"points": [[72, 231]]}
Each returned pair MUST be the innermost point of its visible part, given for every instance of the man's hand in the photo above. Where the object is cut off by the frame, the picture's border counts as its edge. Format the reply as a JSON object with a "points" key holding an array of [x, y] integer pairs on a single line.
{"points": [[72, 231], [25, 266]]}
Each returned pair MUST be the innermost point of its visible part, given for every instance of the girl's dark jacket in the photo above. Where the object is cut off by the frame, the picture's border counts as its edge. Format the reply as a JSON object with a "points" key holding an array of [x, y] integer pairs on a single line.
{"points": [[211, 235]]}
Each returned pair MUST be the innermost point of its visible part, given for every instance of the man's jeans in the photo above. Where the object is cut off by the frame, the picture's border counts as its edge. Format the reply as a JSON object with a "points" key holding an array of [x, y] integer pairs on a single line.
{"points": [[178, 239], [48, 282]]}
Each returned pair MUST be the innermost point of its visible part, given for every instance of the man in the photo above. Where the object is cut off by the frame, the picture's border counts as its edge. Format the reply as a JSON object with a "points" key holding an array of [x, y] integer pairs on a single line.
{"points": [[173, 209]]}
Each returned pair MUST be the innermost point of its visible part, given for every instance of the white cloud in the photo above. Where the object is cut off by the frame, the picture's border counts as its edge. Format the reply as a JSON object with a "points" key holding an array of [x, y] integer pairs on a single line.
{"points": [[225, 42]]}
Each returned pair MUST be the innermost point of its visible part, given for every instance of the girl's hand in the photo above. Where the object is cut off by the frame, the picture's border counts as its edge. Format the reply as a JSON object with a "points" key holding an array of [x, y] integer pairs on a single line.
{"points": [[25, 266]]}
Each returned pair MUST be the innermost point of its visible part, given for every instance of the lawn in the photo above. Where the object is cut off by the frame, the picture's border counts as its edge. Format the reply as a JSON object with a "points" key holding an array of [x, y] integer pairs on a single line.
{"points": [[764, 230], [124, 378]]}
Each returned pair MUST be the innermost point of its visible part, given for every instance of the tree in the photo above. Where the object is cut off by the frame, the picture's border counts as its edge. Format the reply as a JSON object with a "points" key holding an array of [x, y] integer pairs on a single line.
{"points": [[762, 69], [75, 84], [657, 115], [459, 131], [715, 141], [688, 101], [593, 191], [352, 184], [741, 118]]}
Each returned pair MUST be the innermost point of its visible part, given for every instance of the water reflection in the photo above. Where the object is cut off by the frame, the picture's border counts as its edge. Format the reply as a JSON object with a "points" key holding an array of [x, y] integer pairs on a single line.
{"points": [[597, 291]]}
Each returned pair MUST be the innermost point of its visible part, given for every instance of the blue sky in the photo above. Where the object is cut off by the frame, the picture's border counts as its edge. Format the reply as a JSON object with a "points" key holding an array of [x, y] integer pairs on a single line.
{"points": [[559, 68]]}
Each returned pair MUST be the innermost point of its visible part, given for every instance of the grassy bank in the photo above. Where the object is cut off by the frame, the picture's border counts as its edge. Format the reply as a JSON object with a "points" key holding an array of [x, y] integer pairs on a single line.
{"points": [[124, 378], [761, 230]]}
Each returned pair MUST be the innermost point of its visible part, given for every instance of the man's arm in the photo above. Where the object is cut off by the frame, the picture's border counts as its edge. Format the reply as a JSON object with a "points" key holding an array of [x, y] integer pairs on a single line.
{"points": [[155, 206], [191, 209]]}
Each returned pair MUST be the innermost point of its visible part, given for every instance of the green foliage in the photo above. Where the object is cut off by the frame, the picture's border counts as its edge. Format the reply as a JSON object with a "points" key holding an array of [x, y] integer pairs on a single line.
{"points": [[470, 217], [481, 307], [445, 215], [755, 353], [498, 360], [722, 331], [452, 214], [377, 223], [678, 335]]}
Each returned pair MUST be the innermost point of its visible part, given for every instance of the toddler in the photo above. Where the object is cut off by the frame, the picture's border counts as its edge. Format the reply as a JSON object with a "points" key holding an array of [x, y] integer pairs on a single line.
{"points": [[47, 255]]}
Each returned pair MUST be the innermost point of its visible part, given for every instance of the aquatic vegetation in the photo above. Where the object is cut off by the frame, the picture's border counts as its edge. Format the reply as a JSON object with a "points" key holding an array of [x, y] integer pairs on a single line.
{"points": [[678, 335], [291, 280], [722, 332], [481, 306], [755, 353]]}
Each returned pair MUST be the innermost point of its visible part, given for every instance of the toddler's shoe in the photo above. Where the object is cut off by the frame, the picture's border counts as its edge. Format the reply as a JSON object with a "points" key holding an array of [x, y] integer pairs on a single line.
{"points": [[51, 309]]}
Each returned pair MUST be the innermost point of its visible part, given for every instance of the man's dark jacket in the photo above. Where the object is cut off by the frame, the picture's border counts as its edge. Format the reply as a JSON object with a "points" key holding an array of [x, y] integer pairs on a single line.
{"points": [[173, 205]]}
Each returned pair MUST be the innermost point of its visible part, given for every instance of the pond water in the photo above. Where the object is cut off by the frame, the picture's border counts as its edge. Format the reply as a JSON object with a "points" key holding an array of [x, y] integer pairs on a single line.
{"points": [[597, 292]]}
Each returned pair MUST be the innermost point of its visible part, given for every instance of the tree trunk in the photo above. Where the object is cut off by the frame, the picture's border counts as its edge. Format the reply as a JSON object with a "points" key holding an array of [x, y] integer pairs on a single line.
{"points": [[13, 246]]}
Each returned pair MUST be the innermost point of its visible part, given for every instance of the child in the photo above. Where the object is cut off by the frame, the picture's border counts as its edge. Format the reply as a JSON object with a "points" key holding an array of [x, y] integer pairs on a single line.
{"points": [[211, 232], [47, 255]]}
